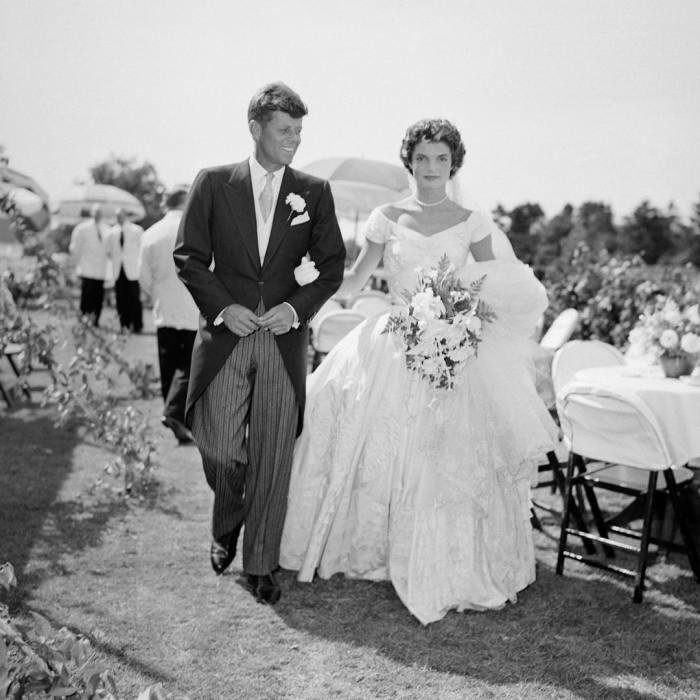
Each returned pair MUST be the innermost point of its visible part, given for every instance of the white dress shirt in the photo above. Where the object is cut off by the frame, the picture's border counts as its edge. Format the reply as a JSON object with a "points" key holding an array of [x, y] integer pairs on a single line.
{"points": [[173, 305], [258, 177]]}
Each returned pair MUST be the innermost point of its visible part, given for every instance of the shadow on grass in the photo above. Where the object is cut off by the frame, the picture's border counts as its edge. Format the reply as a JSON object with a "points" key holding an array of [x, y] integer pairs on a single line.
{"points": [[574, 633], [118, 654], [37, 460]]}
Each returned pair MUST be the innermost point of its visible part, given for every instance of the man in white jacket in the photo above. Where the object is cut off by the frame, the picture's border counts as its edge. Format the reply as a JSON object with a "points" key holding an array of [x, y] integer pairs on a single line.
{"points": [[175, 314], [91, 247], [126, 271]]}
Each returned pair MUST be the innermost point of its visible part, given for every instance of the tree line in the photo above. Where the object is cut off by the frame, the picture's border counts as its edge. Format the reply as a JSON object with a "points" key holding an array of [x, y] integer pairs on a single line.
{"points": [[658, 236]]}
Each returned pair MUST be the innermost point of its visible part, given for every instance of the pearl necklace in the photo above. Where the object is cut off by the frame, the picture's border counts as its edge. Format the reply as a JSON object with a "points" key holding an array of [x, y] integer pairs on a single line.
{"points": [[430, 204]]}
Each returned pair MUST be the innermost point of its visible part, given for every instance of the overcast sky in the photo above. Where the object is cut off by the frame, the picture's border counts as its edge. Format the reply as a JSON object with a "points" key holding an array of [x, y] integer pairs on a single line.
{"points": [[557, 100]]}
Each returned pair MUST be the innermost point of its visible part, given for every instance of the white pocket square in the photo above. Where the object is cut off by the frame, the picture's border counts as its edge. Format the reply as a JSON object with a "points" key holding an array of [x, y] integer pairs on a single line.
{"points": [[300, 219]]}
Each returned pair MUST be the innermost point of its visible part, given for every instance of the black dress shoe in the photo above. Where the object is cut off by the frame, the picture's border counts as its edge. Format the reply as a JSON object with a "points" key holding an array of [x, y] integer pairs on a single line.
{"points": [[268, 590], [223, 550], [180, 430]]}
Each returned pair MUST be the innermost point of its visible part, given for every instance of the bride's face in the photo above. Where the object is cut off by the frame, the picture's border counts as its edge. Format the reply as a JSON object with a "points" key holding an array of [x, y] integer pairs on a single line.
{"points": [[431, 163]]}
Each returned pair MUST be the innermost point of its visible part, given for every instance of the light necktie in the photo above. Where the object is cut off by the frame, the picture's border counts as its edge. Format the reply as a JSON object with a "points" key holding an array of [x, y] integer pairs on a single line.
{"points": [[266, 197]]}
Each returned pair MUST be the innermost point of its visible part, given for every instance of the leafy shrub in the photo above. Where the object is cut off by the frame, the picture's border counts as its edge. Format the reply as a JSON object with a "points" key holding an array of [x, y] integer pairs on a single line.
{"points": [[611, 292], [37, 661], [87, 391]]}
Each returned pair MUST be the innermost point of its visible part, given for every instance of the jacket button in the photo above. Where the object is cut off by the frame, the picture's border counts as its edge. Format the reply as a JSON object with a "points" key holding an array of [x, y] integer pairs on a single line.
{"points": [[261, 284]]}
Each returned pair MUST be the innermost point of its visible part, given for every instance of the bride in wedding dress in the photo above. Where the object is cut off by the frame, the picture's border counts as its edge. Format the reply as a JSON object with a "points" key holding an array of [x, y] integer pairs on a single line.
{"points": [[394, 478]]}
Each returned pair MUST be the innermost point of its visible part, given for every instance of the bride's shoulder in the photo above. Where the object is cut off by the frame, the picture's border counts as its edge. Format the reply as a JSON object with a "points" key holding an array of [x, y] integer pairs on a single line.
{"points": [[379, 224]]}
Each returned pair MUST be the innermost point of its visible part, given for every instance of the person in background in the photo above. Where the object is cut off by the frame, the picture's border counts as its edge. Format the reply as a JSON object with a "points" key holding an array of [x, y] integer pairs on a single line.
{"points": [[91, 247], [126, 272], [175, 314]]}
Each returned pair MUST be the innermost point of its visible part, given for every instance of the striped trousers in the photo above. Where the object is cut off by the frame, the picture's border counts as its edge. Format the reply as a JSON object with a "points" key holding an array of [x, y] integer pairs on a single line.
{"points": [[245, 424]]}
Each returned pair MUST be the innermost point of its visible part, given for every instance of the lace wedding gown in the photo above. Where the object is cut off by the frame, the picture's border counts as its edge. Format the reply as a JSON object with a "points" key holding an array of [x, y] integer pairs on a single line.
{"points": [[428, 488]]}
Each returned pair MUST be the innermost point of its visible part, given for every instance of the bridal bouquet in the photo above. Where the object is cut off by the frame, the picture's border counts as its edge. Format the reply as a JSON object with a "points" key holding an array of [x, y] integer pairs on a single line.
{"points": [[443, 327]]}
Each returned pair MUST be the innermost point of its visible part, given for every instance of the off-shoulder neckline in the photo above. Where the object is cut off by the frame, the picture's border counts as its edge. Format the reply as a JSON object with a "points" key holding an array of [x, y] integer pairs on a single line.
{"points": [[423, 235]]}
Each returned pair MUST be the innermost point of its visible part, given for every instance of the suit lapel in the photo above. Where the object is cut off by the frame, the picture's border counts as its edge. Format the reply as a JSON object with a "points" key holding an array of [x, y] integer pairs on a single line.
{"points": [[239, 195], [280, 223]]}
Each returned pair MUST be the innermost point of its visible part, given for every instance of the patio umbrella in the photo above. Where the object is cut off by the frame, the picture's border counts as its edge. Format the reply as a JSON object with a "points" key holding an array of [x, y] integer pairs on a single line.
{"points": [[75, 204], [32, 207], [360, 184], [31, 201], [14, 178]]}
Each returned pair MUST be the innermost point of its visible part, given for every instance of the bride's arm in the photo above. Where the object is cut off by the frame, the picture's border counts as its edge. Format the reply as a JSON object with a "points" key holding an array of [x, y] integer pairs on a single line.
{"points": [[482, 250], [367, 261]]}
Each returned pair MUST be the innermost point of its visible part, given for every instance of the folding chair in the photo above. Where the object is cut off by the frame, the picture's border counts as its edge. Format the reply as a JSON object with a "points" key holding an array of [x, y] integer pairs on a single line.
{"points": [[579, 354], [329, 306], [562, 328], [616, 445], [568, 359], [371, 305], [557, 334], [332, 328]]}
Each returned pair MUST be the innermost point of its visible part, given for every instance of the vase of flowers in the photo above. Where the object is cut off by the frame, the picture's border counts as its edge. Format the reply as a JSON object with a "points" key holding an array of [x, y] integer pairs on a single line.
{"points": [[670, 334]]}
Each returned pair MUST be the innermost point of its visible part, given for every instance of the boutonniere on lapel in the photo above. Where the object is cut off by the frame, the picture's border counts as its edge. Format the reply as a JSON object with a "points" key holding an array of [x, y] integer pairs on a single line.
{"points": [[297, 205]]}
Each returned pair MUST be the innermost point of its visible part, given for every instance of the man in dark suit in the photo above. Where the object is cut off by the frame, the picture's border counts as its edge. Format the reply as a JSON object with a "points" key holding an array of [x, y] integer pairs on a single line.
{"points": [[244, 230]]}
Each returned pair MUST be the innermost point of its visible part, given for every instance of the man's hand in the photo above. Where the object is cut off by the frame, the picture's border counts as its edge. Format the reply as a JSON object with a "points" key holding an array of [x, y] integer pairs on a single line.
{"points": [[240, 320], [278, 319]]}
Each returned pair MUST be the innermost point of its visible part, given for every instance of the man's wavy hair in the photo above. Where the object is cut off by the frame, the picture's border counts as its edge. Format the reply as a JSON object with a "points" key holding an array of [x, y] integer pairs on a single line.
{"points": [[275, 97], [437, 131]]}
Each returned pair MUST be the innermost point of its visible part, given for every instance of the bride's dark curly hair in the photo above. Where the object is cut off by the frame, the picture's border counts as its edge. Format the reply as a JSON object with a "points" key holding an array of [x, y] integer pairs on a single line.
{"points": [[436, 130]]}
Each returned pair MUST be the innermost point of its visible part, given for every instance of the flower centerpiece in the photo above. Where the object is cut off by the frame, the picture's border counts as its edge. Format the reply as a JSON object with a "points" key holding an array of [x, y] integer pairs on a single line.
{"points": [[443, 326], [670, 334]]}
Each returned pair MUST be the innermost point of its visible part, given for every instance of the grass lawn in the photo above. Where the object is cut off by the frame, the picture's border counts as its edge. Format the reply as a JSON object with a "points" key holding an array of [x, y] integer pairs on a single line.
{"points": [[135, 579]]}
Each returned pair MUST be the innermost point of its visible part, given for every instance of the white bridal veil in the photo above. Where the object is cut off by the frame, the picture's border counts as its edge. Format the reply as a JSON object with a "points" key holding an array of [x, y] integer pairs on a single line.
{"points": [[502, 248]]}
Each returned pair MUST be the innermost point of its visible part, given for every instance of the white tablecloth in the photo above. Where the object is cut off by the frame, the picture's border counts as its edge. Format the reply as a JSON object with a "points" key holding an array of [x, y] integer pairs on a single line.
{"points": [[675, 403]]}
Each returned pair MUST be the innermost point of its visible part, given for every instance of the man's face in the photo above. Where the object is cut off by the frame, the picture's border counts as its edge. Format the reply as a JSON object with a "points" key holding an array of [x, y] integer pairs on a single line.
{"points": [[276, 140]]}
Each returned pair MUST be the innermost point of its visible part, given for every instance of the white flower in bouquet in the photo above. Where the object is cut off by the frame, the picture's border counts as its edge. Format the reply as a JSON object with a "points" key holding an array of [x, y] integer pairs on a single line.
{"points": [[454, 333], [426, 306], [461, 354], [473, 323]]}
